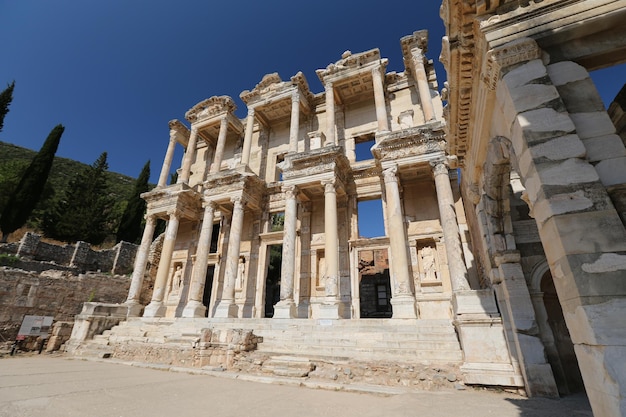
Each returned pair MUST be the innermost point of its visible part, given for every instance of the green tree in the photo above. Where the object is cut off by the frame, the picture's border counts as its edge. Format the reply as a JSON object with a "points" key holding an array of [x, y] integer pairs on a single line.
{"points": [[84, 211], [129, 229], [25, 196], [6, 97]]}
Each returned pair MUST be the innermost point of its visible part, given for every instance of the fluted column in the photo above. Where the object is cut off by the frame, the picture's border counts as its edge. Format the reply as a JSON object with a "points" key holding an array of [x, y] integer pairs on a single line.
{"points": [[452, 239], [227, 306], [194, 307], [379, 99], [139, 269], [286, 307], [156, 308], [219, 148], [403, 299], [247, 139], [167, 161], [330, 114], [422, 84], [190, 155]]}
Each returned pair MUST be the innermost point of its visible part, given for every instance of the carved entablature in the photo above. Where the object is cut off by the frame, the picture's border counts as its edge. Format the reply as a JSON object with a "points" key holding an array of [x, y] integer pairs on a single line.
{"points": [[350, 62], [512, 53], [272, 86], [366, 172], [177, 198], [210, 107], [413, 141], [179, 132], [316, 162], [224, 185]]}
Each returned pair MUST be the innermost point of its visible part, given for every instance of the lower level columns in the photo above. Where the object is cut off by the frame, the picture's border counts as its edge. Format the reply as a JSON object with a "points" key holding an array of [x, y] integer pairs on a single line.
{"points": [[286, 307], [227, 307], [403, 299], [157, 308], [330, 308], [194, 307], [141, 260]]}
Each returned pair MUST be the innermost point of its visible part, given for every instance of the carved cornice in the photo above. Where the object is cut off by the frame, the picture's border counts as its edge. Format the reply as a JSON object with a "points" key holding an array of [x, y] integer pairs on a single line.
{"points": [[521, 50], [210, 107], [349, 62], [179, 132], [272, 85], [418, 140]]}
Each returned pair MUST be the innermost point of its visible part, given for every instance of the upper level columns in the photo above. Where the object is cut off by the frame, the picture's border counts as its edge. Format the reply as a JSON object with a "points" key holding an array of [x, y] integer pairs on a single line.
{"points": [[330, 114], [379, 99], [167, 161], [219, 148], [403, 299], [295, 122], [286, 308], [190, 155], [247, 140], [452, 239], [156, 308], [227, 306], [194, 307], [419, 72], [141, 260]]}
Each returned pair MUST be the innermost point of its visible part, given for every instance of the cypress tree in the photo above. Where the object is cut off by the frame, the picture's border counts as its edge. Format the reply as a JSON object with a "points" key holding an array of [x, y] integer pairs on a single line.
{"points": [[25, 196], [84, 212], [6, 97], [129, 229]]}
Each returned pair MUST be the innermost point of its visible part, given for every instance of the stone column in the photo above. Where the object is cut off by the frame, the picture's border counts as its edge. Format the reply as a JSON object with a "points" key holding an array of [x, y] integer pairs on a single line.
{"points": [[141, 260], [452, 239], [219, 148], [286, 307], [330, 309], [167, 161], [247, 140], [330, 114], [194, 307], [190, 155], [403, 299], [294, 127], [422, 84], [156, 308], [379, 99], [227, 306]]}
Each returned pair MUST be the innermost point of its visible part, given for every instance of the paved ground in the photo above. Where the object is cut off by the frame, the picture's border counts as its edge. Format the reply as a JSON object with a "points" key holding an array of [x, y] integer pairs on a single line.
{"points": [[45, 386]]}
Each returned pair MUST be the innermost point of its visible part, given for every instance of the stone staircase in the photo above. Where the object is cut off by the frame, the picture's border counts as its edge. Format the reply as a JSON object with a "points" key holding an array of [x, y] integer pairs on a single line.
{"points": [[392, 340]]}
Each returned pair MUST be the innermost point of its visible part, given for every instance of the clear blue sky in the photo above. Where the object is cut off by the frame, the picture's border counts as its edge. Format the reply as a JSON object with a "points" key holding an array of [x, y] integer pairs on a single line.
{"points": [[115, 72]]}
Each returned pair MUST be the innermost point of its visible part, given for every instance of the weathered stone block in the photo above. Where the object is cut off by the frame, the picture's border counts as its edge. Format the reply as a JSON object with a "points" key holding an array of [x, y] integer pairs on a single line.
{"points": [[537, 126], [581, 96], [532, 96], [566, 72], [612, 171], [592, 124], [525, 73], [604, 147]]}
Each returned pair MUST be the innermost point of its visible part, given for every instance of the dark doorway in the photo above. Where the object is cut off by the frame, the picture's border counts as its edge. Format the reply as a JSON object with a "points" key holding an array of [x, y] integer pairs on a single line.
{"points": [[208, 287], [375, 296], [272, 281], [565, 366]]}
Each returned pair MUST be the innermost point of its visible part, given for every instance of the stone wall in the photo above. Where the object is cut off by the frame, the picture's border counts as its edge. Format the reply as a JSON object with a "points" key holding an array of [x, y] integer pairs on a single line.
{"points": [[60, 294], [79, 257]]}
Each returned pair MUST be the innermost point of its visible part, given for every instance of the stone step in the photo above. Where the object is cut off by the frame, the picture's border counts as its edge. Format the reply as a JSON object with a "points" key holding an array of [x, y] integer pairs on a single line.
{"points": [[290, 366]]}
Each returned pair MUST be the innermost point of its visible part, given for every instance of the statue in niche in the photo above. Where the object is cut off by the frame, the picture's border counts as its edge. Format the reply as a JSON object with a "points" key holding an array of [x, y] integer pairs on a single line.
{"points": [[240, 273], [429, 267], [177, 279]]}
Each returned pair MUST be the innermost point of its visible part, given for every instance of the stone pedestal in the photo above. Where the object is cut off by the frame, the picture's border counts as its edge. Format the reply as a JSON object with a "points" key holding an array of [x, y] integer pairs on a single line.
{"points": [[403, 307], [226, 309], [331, 310], [285, 309]]}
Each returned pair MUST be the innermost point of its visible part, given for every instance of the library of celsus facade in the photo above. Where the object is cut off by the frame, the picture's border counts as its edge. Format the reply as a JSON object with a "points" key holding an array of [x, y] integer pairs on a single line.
{"points": [[501, 212]]}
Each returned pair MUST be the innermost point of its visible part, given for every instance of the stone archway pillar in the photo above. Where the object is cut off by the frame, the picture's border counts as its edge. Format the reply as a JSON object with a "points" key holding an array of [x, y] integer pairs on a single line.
{"points": [[194, 307], [156, 308], [141, 260], [286, 307]]}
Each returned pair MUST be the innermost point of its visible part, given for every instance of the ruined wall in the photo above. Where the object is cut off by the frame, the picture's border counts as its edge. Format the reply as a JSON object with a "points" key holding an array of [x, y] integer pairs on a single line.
{"points": [[60, 294]]}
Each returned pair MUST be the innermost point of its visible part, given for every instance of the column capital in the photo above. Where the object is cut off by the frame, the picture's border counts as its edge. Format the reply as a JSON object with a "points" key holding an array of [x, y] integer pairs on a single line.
{"points": [[238, 200], [391, 174], [194, 130], [209, 204], [251, 111], [328, 85], [439, 166], [295, 96], [173, 213], [377, 70], [291, 191], [330, 185], [223, 120]]}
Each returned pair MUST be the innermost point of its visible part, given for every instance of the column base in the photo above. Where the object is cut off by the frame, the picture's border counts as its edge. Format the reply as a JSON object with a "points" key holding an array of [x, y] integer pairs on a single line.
{"points": [[194, 309], [155, 309], [403, 307], [285, 309], [331, 310], [226, 309], [134, 308]]}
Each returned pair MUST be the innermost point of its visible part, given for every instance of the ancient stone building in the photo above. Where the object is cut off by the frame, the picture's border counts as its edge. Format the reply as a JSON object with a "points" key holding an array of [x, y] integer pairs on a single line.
{"points": [[504, 247]]}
